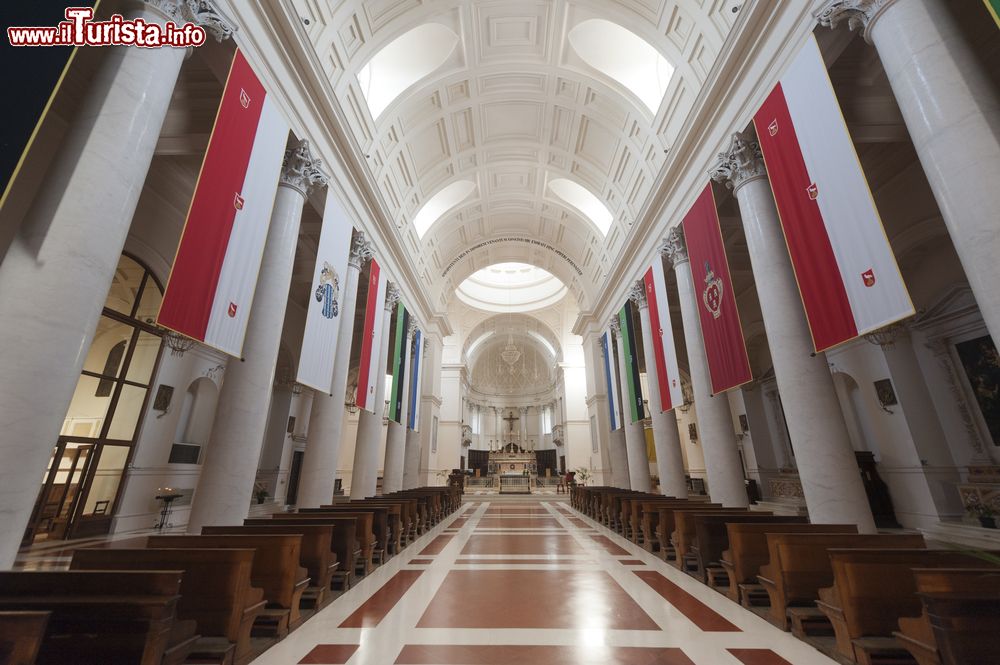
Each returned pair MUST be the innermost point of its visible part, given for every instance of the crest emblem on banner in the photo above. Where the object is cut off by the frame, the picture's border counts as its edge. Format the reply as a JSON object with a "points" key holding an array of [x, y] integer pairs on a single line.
{"points": [[813, 192], [772, 129], [868, 277], [328, 291], [244, 99], [232, 310], [238, 201], [712, 295]]}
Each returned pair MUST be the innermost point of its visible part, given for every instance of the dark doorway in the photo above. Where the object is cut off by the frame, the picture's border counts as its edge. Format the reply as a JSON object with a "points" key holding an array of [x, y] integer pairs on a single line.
{"points": [[293, 477]]}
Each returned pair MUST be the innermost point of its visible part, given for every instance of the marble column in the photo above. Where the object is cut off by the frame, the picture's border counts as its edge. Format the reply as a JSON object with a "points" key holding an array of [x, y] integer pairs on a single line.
{"points": [[951, 108], [715, 422], [395, 440], [56, 273], [669, 460], [227, 477], [635, 438], [541, 427], [411, 465], [831, 482], [523, 426], [364, 473], [326, 421]]}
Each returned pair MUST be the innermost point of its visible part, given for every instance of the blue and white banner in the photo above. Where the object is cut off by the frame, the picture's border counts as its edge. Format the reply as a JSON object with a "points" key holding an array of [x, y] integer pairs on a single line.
{"points": [[323, 320], [413, 415], [610, 373]]}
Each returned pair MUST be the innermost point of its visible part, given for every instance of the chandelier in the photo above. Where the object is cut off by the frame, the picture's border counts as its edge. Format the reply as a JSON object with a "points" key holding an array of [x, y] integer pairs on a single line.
{"points": [[510, 354], [177, 343]]}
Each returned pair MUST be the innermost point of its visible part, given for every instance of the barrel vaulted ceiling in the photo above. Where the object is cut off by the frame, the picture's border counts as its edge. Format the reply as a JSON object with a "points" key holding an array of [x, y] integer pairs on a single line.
{"points": [[507, 99]]}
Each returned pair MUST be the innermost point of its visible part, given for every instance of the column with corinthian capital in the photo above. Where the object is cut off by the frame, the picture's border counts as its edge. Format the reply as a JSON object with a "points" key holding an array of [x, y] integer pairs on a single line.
{"points": [[227, 475], [411, 463], [395, 438], [669, 460], [951, 108], [364, 473], [326, 420], [718, 438], [635, 437], [55, 275], [831, 482]]}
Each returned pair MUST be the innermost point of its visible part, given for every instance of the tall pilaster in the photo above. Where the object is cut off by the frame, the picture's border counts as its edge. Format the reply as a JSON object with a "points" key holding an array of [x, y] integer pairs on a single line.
{"points": [[718, 439], [65, 251], [669, 460], [523, 426], [635, 438], [364, 475], [951, 109], [831, 482], [395, 439], [227, 475], [326, 420]]}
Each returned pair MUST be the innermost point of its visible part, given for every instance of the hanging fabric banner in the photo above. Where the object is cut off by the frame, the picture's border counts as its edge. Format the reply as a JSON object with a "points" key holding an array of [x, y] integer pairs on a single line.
{"points": [[371, 339], [668, 376], [416, 371], [210, 290], [398, 362], [845, 269], [323, 320], [626, 320], [721, 330], [608, 350]]}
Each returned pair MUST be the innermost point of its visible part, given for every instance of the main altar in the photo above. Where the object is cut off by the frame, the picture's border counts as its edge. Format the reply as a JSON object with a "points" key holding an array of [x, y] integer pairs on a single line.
{"points": [[511, 462]]}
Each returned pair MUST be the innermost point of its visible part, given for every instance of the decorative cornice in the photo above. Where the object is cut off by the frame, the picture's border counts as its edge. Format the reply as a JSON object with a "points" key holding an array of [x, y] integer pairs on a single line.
{"points": [[674, 248], [638, 294], [300, 170], [859, 14], [391, 296], [199, 12], [361, 250], [885, 336], [741, 162]]}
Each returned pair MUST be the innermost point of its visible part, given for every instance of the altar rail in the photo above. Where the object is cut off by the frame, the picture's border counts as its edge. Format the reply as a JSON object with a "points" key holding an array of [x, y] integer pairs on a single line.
{"points": [[515, 484], [487, 482]]}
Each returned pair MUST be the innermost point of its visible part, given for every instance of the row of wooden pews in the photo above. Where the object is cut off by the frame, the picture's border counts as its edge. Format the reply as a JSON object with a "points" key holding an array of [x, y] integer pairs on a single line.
{"points": [[221, 596], [872, 599]]}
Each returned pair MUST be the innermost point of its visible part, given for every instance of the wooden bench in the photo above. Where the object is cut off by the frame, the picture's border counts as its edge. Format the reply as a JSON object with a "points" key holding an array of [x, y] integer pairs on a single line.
{"points": [[381, 529], [683, 535], [747, 551], [344, 544], [317, 555], [363, 532], [276, 570], [21, 636], [666, 525], [99, 617], [798, 566], [711, 539], [649, 517], [215, 592], [967, 616], [871, 589]]}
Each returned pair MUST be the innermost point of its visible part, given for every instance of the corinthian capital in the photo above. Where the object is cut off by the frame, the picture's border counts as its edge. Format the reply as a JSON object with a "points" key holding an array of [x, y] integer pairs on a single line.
{"points": [[391, 296], [199, 12], [411, 329], [361, 250], [638, 294], [673, 247], [300, 170], [741, 162], [616, 326], [859, 14]]}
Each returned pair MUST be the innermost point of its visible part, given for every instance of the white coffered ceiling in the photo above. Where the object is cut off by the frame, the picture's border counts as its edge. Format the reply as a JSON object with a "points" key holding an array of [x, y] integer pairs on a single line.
{"points": [[508, 108]]}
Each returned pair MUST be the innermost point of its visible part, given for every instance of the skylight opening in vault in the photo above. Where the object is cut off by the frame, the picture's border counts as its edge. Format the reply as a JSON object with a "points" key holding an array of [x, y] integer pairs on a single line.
{"points": [[580, 198], [625, 57], [440, 203], [511, 287], [403, 62]]}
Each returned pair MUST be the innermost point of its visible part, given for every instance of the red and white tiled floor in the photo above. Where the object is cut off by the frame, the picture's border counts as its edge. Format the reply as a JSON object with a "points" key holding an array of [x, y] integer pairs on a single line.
{"points": [[527, 581]]}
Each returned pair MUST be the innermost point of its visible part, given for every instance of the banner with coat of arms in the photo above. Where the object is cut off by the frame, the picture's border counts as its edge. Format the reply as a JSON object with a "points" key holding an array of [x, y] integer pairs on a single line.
{"points": [[323, 319], [721, 329]]}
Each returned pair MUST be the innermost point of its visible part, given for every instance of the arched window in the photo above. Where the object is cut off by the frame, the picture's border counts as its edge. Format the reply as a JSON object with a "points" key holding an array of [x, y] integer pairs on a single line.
{"points": [[114, 360]]}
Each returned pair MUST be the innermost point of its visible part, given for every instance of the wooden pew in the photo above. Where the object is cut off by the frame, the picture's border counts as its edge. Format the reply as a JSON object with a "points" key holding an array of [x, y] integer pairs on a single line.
{"points": [[381, 523], [21, 636], [345, 540], [649, 518], [871, 589], [665, 525], [275, 570], [683, 534], [101, 617], [711, 539], [967, 616], [747, 550], [215, 592], [317, 555], [364, 533], [798, 566]]}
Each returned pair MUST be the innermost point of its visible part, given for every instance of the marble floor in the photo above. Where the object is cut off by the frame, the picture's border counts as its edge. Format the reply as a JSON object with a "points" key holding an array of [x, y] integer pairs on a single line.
{"points": [[528, 581]]}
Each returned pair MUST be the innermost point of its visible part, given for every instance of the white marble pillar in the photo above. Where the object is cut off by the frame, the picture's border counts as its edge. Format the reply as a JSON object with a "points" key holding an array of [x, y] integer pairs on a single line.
{"points": [[831, 482], [669, 460], [326, 421], [952, 111], [55, 275], [523, 426], [364, 472], [715, 422], [411, 465], [541, 427], [619, 459], [635, 438], [230, 467], [395, 440]]}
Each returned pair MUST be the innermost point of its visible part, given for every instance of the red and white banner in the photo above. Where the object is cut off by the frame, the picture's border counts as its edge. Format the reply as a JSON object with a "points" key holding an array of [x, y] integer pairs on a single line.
{"points": [[721, 330], [326, 300], [846, 271], [668, 376], [214, 274], [371, 340]]}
